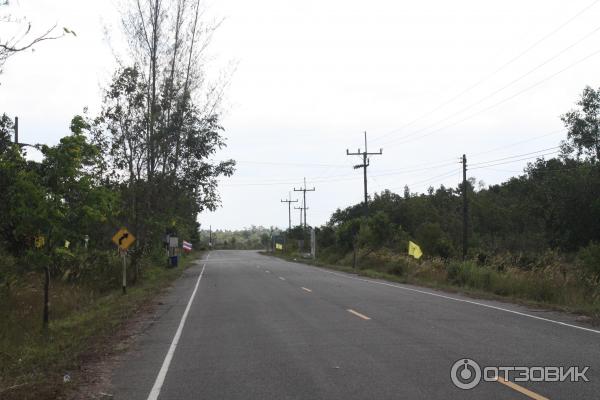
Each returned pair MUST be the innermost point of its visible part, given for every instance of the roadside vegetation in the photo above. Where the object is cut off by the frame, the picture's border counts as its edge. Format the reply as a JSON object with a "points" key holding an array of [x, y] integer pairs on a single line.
{"points": [[535, 237], [87, 315], [252, 238], [143, 162]]}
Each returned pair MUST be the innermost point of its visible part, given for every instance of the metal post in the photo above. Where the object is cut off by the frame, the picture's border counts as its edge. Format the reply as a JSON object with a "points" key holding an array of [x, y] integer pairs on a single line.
{"points": [[124, 256], [465, 209]]}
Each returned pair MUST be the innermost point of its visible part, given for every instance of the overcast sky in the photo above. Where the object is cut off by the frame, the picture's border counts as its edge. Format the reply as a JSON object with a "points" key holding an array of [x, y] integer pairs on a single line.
{"points": [[428, 81]]}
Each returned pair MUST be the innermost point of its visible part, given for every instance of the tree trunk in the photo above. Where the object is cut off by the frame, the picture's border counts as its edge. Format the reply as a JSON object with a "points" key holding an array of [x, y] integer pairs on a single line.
{"points": [[46, 297]]}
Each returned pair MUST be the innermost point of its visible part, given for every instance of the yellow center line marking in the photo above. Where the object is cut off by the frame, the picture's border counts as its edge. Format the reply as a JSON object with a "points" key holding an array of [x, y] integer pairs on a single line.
{"points": [[359, 315], [521, 389], [308, 290], [282, 278]]}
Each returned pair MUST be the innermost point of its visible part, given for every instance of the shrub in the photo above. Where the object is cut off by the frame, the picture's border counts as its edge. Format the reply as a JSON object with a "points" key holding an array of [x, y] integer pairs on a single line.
{"points": [[588, 260]]}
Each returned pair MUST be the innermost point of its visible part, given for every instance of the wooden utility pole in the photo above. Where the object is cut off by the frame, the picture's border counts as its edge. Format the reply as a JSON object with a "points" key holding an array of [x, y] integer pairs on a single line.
{"points": [[17, 130], [301, 209], [465, 208], [304, 190], [364, 166], [289, 203]]}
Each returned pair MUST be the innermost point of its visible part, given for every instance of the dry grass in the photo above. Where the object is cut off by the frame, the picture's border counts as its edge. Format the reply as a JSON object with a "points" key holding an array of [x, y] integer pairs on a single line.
{"points": [[549, 282], [33, 361]]}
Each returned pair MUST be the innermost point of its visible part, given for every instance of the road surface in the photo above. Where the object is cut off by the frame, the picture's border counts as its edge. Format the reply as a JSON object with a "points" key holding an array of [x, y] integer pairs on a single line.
{"points": [[240, 325]]}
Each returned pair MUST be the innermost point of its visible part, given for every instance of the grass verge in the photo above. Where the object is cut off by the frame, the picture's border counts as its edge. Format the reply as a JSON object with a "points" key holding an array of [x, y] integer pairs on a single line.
{"points": [[34, 362], [537, 289]]}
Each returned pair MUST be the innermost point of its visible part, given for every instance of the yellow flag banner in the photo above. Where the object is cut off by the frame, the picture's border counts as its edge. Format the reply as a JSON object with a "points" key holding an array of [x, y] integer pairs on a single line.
{"points": [[414, 250]]}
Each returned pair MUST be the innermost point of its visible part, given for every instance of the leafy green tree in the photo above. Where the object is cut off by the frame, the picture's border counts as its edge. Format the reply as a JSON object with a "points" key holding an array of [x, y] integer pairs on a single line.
{"points": [[583, 126], [6, 128]]}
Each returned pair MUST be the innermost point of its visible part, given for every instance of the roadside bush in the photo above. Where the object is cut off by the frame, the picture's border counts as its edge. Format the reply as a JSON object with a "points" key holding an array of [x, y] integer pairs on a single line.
{"points": [[8, 271], [434, 240], [588, 260]]}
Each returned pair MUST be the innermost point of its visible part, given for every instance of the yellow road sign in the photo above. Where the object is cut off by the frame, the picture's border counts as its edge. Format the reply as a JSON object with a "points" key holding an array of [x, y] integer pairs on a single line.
{"points": [[123, 238], [40, 241]]}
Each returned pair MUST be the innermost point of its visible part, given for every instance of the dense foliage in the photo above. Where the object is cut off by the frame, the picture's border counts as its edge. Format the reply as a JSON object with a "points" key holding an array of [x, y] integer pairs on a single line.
{"points": [[252, 238], [143, 162], [554, 206]]}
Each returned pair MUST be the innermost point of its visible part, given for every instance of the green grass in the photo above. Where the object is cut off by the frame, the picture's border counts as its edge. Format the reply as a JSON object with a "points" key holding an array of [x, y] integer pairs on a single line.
{"points": [[547, 287], [82, 321]]}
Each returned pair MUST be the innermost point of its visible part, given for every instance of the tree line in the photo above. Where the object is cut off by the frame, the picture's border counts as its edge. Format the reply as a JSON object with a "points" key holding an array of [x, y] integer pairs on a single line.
{"points": [[143, 161], [554, 205]]}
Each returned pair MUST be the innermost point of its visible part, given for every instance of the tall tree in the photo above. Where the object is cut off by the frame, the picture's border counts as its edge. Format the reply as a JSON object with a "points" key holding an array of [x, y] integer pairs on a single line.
{"points": [[160, 121], [583, 126]]}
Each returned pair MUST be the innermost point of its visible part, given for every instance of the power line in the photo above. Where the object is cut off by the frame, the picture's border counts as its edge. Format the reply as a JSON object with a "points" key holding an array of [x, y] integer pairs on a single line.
{"points": [[291, 164], [501, 101], [503, 87], [513, 161], [470, 106], [446, 174], [519, 142], [503, 66], [516, 156]]}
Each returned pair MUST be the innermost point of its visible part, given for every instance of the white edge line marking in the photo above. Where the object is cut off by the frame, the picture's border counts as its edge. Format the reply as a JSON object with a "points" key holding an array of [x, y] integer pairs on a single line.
{"points": [[308, 290], [351, 311], [468, 301], [282, 278], [267, 271], [160, 379]]}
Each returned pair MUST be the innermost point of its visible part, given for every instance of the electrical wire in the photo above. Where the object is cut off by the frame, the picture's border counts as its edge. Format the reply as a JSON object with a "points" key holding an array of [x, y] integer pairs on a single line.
{"points": [[499, 69], [492, 94], [501, 101], [515, 156], [513, 161], [562, 130]]}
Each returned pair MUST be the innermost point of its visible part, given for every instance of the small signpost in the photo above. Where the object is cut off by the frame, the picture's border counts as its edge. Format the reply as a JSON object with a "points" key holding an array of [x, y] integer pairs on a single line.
{"points": [[123, 239], [173, 244]]}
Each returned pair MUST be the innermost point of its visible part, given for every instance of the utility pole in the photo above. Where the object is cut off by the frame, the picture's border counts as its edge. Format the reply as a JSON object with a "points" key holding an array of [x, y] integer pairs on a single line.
{"points": [[465, 208], [289, 203], [210, 237], [304, 190], [299, 208], [16, 130], [364, 166]]}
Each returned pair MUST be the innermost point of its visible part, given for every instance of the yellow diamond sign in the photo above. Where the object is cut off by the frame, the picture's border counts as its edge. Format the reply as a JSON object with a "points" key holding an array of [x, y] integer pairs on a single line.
{"points": [[123, 238], [40, 241]]}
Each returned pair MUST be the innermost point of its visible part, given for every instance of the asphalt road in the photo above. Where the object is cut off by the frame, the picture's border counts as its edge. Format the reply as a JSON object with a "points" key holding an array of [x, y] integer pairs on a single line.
{"points": [[240, 325]]}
